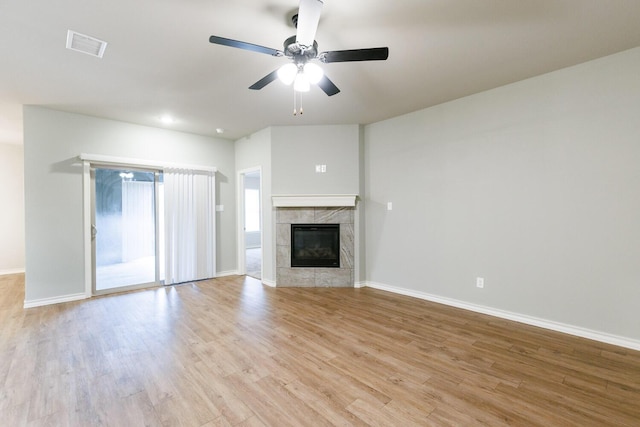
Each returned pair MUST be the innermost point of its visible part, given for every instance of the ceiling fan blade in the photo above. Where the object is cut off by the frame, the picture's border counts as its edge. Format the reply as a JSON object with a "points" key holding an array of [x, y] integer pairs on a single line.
{"points": [[265, 80], [327, 86], [246, 46], [372, 54], [308, 18]]}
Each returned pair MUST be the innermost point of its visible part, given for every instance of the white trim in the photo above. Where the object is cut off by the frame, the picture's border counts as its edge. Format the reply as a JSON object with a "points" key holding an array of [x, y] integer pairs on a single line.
{"points": [[314, 200], [227, 273], [124, 161], [86, 217], [240, 239], [360, 285], [53, 300], [11, 271], [521, 318], [269, 283]]}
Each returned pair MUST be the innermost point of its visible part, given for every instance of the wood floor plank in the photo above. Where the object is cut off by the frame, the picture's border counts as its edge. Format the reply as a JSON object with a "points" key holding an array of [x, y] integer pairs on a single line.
{"points": [[232, 352], [325, 404]]}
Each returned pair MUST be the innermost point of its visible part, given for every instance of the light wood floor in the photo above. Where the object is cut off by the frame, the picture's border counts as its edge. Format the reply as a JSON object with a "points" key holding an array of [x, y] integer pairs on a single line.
{"points": [[232, 352]]}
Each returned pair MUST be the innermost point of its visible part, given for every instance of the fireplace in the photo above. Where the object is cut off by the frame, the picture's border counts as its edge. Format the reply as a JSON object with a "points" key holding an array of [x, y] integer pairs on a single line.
{"points": [[315, 245], [341, 272]]}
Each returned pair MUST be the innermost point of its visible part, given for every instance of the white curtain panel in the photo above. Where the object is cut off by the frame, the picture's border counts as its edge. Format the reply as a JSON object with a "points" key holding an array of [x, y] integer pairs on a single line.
{"points": [[189, 225]]}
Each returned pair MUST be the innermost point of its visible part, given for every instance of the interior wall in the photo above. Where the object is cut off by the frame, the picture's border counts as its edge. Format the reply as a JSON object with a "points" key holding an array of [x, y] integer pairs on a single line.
{"points": [[53, 189], [252, 152], [296, 150], [534, 187], [12, 211]]}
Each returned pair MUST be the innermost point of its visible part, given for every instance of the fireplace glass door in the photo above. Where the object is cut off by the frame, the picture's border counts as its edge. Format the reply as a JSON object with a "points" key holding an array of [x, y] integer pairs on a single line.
{"points": [[315, 245]]}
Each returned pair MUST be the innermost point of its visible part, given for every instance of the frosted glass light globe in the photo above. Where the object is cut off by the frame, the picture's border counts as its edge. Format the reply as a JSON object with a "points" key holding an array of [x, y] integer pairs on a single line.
{"points": [[287, 73], [313, 72], [301, 83]]}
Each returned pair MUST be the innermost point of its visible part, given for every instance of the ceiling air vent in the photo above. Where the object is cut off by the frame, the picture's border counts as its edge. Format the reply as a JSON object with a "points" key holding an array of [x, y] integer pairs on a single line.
{"points": [[85, 44]]}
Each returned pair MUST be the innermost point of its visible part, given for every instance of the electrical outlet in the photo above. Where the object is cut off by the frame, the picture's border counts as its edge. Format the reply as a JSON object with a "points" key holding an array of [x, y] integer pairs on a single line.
{"points": [[389, 206], [480, 282]]}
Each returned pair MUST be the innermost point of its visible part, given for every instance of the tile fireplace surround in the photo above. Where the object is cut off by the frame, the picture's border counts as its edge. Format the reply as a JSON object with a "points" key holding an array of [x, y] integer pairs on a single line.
{"points": [[309, 276]]}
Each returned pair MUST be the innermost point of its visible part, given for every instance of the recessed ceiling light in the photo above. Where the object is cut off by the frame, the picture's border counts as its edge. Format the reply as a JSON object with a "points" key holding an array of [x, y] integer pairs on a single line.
{"points": [[219, 130], [85, 44], [167, 120]]}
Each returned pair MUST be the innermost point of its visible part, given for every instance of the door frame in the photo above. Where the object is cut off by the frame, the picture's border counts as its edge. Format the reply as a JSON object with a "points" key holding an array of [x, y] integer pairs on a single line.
{"points": [[88, 220], [241, 245], [87, 208]]}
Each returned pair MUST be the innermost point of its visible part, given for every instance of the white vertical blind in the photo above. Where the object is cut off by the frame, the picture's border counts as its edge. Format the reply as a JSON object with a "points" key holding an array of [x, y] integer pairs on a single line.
{"points": [[189, 225]]}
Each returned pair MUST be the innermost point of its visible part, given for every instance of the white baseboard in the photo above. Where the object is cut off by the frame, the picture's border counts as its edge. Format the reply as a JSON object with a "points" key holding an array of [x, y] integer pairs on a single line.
{"points": [[270, 283], [521, 318], [54, 300], [11, 271], [360, 285], [227, 273]]}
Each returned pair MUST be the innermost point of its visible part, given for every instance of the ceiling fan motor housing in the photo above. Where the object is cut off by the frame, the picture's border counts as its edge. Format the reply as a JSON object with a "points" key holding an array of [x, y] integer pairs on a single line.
{"points": [[299, 53]]}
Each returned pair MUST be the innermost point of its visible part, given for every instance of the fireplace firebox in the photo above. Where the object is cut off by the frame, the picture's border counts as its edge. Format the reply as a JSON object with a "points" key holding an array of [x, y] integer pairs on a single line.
{"points": [[315, 245]]}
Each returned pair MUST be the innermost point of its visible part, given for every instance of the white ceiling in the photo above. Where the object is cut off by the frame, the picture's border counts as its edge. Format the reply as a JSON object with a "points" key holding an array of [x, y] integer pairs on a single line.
{"points": [[159, 60]]}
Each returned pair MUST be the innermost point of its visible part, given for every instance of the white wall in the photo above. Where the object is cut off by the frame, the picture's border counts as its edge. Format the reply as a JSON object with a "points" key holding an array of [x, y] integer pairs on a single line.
{"points": [[53, 187], [252, 152], [12, 211], [296, 150], [534, 186]]}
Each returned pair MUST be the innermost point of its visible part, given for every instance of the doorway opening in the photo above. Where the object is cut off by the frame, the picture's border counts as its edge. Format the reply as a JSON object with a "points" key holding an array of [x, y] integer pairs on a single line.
{"points": [[251, 221]]}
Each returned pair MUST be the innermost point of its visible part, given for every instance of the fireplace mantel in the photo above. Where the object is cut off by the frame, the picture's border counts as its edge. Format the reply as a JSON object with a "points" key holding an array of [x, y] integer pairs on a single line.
{"points": [[314, 200]]}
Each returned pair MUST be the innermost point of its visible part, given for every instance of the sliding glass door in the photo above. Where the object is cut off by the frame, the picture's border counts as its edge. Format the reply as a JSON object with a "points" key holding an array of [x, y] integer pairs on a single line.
{"points": [[126, 228]]}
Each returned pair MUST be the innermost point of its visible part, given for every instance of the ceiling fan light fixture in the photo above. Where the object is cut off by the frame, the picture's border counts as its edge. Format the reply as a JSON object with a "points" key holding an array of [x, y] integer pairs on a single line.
{"points": [[287, 73], [301, 83], [301, 49], [313, 72]]}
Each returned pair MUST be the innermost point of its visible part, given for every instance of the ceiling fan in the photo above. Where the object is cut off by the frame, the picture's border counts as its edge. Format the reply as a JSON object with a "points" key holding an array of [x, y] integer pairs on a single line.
{"points": [[301, 49]]}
